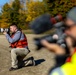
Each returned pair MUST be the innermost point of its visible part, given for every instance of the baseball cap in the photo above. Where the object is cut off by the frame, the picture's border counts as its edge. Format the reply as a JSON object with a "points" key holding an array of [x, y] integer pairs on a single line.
{"points": [[72, 14]]}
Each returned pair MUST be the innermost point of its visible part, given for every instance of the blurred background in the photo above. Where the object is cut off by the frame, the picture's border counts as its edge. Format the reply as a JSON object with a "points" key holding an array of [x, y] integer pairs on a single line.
{"points": [[22, 12]]}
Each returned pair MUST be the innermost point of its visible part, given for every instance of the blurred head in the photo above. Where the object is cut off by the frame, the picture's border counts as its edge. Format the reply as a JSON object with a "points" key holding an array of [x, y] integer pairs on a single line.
{"points": [[71, 28], [13, 28], [71, 23]]}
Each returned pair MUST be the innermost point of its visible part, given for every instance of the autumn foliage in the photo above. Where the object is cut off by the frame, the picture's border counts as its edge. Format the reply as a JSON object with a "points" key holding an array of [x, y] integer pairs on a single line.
{"points": [[59, 6], [22, 12], [35, 9]]}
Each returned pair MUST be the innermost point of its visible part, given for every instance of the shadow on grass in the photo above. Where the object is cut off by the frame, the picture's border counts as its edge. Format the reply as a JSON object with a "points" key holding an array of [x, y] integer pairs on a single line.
{"points": [[39, 61], [34, 62]]}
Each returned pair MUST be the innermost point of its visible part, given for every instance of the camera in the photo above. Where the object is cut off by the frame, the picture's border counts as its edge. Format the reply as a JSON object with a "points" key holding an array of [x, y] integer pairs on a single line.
{"points": [[44, 23], [5, 30]]}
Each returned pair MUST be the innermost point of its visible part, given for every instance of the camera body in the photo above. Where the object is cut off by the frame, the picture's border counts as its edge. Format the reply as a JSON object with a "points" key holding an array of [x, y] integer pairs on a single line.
{"points": [[57, 37], [46, 22]]}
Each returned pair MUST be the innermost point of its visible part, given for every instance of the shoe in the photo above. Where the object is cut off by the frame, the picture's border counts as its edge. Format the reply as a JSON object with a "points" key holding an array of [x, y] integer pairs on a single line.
{"points": [[12, 69], [33, 61], [30, 62]]}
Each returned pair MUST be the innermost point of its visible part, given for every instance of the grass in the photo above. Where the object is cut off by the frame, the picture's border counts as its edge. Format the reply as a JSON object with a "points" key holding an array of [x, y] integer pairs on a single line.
{"points": [[31, 32], [28, 31]]}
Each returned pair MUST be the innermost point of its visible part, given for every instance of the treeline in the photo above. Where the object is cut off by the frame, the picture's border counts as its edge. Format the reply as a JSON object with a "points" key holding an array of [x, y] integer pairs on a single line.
{"points": [[21, 12], [60, 6]]}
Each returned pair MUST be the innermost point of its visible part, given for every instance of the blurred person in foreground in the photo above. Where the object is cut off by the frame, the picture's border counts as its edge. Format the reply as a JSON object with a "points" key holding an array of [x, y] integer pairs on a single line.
{"points": [[69, 67], [19, 47]]}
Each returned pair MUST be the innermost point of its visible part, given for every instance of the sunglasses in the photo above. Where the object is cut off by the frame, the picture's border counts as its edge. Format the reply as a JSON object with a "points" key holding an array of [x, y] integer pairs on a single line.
{"points": [[70, 26]]}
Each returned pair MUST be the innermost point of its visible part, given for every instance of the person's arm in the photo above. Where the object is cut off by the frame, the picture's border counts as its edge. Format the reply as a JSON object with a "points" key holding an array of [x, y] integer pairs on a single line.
{"points": [[15, 38], [53, 47], [56, 48]]}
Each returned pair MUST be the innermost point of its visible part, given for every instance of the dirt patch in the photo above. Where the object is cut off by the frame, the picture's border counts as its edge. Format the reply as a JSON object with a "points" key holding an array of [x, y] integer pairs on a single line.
{"points": [[43, 58]]}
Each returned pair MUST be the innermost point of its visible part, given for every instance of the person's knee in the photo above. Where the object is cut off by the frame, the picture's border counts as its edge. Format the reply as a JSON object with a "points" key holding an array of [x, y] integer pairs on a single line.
{"points": [[13, 51], [26, 51]]}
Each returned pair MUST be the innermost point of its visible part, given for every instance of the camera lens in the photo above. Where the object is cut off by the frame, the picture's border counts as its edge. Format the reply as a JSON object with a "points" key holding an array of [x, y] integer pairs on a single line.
{"points": [[1, 30]]}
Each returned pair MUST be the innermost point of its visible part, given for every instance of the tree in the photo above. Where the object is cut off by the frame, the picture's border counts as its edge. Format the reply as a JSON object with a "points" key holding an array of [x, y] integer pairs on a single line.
{"points": [[15, 12], [5, 16], [10, 13], [34, 9], [59, 6], [18, 13]]}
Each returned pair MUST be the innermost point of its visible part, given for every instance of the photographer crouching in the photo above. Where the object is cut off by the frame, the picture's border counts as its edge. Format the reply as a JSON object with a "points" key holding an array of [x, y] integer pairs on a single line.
{"points": [[19, 47]]}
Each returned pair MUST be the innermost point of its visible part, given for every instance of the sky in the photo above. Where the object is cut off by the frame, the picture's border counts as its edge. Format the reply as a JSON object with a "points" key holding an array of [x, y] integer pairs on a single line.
{"points": [[2, 2]]}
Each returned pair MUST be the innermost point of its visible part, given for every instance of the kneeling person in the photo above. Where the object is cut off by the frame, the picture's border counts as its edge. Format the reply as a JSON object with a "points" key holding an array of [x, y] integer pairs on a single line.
{"points": [[19, 47]]}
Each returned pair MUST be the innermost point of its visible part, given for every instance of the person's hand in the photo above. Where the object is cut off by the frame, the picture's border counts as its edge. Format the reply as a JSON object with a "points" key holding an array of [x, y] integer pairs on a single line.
{"points": [[4, 33], [70, 42], [53, 47]]}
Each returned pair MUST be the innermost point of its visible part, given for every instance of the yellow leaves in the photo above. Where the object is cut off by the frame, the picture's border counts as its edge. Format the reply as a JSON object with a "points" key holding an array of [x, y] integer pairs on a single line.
{"points": [[60, 6], [3, 23], [34, 9], [29, 18]]}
